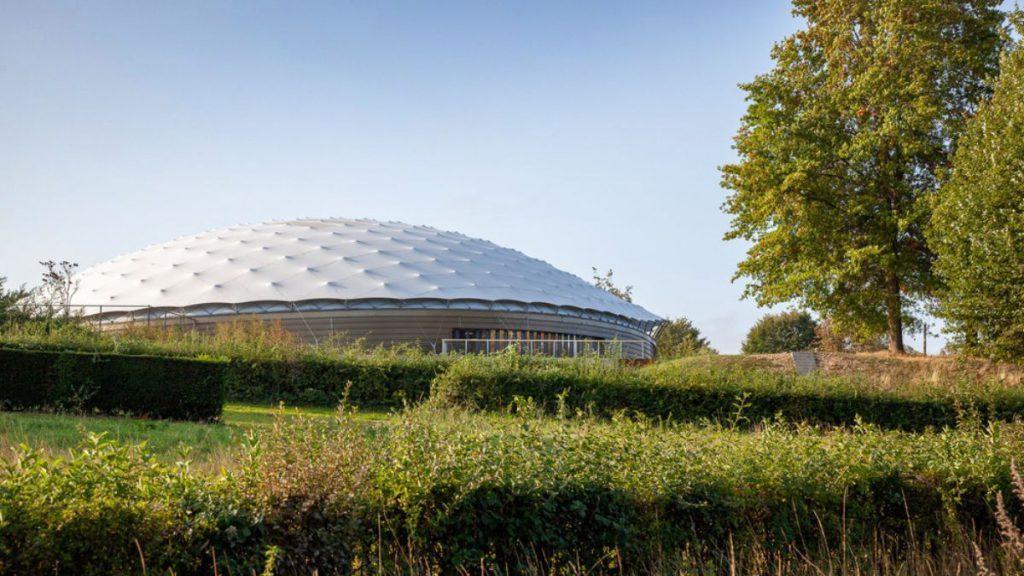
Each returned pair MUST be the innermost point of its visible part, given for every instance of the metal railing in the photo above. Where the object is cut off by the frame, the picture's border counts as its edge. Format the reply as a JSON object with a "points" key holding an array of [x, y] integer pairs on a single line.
{"points": [[107, 314], [111, 315], [566, 348]]}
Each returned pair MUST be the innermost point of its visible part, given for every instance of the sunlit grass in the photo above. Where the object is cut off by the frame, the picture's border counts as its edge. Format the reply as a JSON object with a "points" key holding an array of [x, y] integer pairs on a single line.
{"points": [[242, 415], [209, 445]]}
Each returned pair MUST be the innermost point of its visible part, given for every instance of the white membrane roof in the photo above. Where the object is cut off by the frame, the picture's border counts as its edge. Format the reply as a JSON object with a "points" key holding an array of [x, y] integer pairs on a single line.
{"points": [[338, 260]]}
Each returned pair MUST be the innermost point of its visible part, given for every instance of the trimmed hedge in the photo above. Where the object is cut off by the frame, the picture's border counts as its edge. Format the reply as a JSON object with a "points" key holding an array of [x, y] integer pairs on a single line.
{"points": [[149, 386], [680, 392], [378, 378], [370, 381]]}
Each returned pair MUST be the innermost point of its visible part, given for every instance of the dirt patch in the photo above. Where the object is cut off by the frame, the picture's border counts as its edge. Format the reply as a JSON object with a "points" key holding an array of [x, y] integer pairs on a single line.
{"points": [[878, 367], [919, 368]]}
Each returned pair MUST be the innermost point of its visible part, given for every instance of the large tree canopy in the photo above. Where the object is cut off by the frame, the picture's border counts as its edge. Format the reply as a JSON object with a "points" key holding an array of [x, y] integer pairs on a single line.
{"points": [[978, 226], [782, 332], [843, 144]]}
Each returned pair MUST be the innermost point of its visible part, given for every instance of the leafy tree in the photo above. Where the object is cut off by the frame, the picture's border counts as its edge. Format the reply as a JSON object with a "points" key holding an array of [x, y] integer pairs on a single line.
{"points": [[783, 332], [607, 284], [978, 227], [842, 147], [9, 300], [679, 337]]}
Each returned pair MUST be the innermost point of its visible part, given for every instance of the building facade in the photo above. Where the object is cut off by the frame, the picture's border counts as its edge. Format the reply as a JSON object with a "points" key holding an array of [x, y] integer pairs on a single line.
{"points": [[383, 282]]}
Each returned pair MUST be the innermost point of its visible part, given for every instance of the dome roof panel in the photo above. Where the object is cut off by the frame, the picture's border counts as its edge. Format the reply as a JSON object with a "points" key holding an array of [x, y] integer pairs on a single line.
{"points": [[336, 259]]}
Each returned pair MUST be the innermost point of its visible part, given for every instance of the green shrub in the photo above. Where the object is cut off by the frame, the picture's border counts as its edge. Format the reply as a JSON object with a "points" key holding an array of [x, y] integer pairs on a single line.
{"points": [[106, 507], [261, 365], [692, 391], [465, 489], [147, 386], [311, 483], [447, 491], [784, 332], [372, 380]]}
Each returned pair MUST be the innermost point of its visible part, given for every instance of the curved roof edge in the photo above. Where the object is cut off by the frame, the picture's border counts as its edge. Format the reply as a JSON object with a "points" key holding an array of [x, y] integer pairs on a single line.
{"points": [[127, 313]]}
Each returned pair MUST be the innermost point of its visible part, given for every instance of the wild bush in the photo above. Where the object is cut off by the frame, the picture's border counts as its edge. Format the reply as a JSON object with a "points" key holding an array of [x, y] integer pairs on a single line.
{"points": [[311, 481], [109, 508], [472, 488], [451, 491], [244, 337]]}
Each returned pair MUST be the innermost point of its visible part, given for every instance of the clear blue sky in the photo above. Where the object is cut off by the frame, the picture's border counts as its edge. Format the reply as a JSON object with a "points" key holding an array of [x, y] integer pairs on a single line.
{"points": [[585, 134]]}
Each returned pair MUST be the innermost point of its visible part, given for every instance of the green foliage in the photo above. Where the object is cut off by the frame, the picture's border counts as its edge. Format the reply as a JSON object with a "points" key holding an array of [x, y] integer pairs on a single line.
{"points": [[978, 227], [261, 365], [693, 389], [245, 338], [783, 332], [146, 386], [447, 491], [9, 298], [374, 380], [678, 338], [105, 508], [57, 433], [483, 490], [311, 482], [698, 391], [842, 147]]}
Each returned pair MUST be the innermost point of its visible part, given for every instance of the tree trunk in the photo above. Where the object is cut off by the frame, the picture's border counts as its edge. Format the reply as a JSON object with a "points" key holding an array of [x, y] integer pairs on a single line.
{"points": [[894, 314]]}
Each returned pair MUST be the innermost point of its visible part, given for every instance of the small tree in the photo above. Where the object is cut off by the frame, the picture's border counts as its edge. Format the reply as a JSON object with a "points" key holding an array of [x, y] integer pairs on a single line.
{"points": [[679, 337], [58, 287], [605, 283], [785, 332], [10, 311]]}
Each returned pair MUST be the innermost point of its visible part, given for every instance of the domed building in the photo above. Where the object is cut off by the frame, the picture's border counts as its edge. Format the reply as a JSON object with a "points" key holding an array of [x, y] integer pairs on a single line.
{"points": [[385, 282]]}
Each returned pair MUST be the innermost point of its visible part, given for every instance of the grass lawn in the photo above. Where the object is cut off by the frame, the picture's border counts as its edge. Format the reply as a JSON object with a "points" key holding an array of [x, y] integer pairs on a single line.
{"points": [[208, 445]]}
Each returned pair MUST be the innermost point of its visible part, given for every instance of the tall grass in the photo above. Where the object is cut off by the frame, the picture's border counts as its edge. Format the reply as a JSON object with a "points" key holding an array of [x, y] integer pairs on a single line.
{"points": [[249, 338], [449, 491]]}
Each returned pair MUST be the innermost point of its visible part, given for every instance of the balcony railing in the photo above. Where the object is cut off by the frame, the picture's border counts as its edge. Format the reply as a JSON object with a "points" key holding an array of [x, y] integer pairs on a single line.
{"points": [[557, 348]]}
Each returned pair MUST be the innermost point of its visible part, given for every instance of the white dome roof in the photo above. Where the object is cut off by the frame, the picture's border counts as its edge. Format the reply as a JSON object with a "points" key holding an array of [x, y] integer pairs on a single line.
{"points": [[337, 260]]}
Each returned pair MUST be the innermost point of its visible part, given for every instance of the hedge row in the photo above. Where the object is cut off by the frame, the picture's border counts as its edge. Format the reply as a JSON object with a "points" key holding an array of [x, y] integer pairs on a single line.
{"points": [[265, 363], [681, 392], [384, 381], [188, 388], [148, 386], [169, 387], [446, 492]]}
